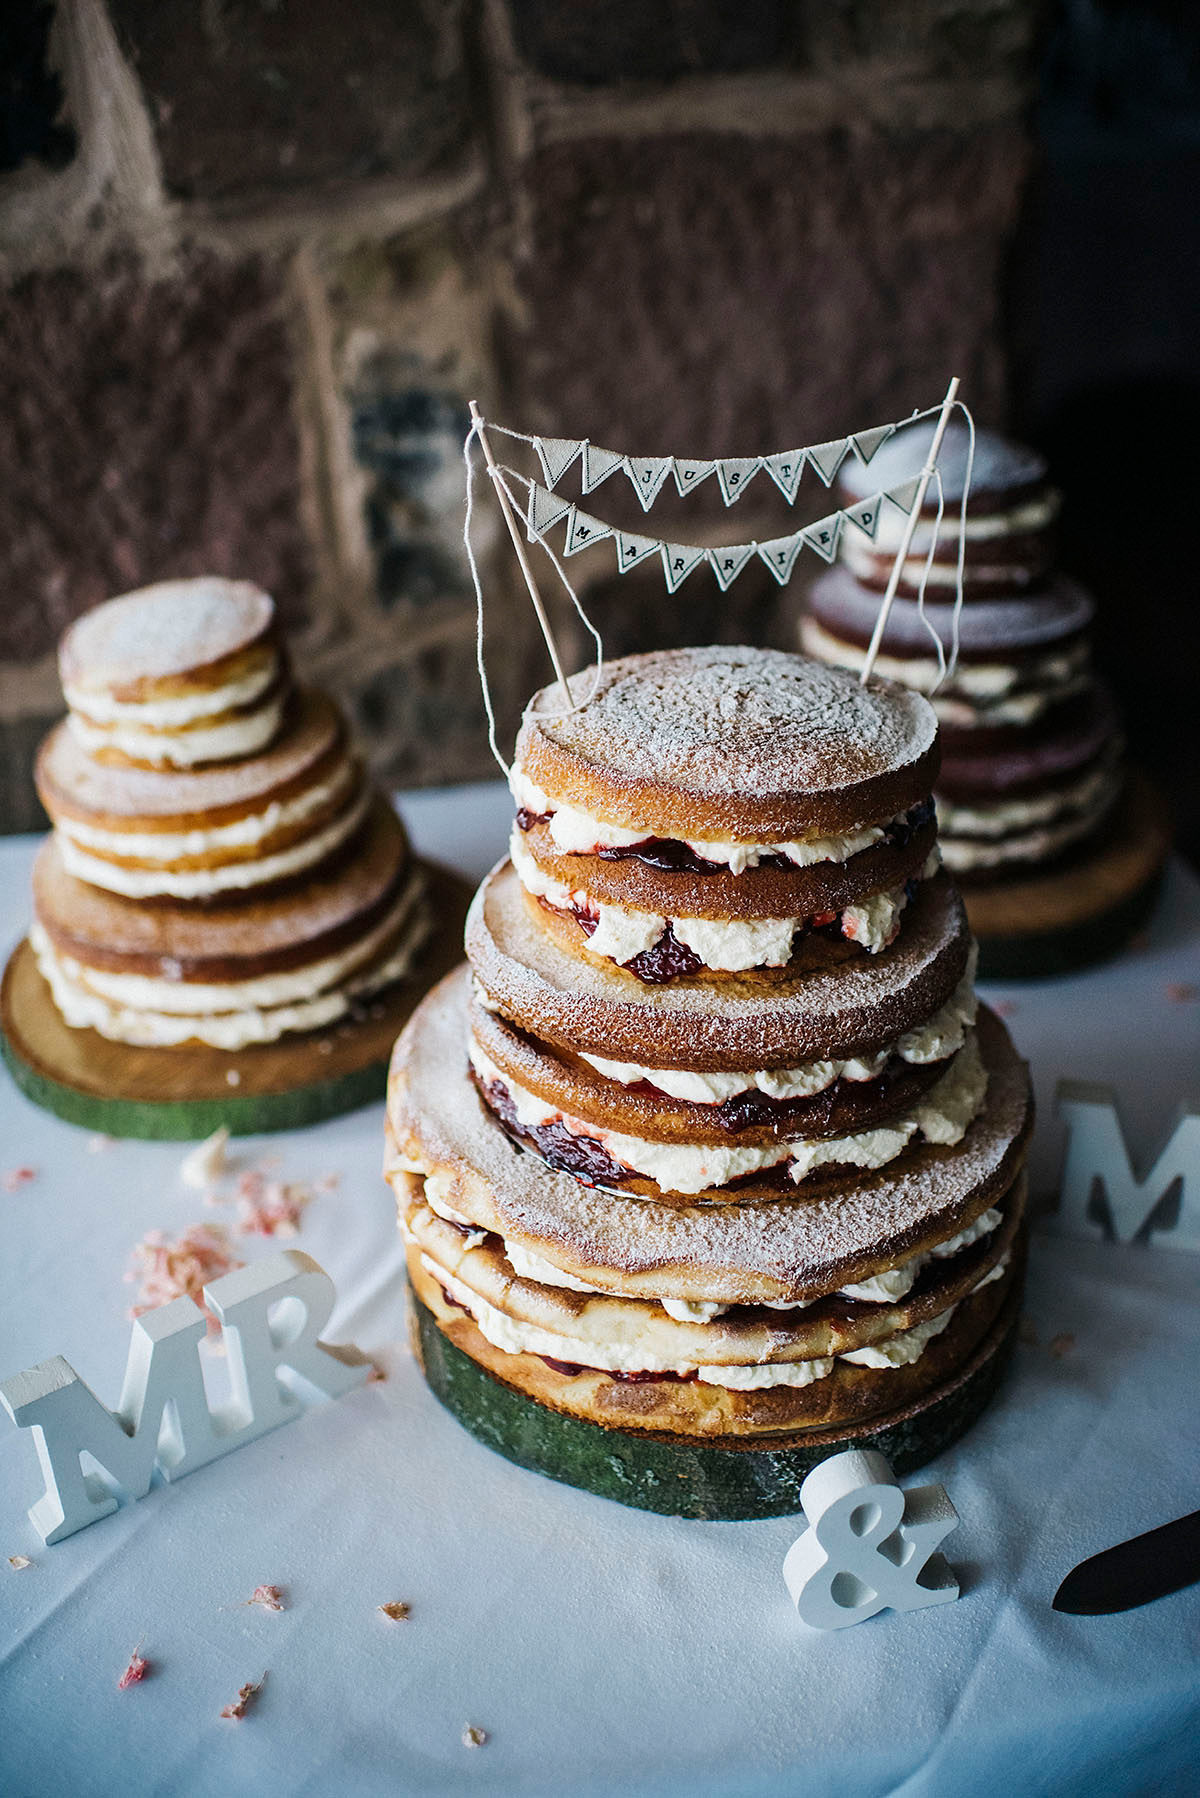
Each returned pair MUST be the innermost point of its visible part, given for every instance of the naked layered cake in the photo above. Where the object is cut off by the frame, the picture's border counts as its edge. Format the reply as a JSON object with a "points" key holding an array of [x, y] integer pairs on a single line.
{"points": [[1036, 815], [221, 871], [712, 1146]]}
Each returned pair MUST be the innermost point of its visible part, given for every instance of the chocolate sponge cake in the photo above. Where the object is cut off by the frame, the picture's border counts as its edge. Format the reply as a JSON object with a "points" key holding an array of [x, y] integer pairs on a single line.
{"points": [[737, 1198]]}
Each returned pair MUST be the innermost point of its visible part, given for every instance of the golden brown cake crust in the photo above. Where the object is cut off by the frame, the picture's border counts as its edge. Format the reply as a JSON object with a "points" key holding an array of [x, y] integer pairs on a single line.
{"points": [[749, 744], [851, 1004], [160, 641], [847, 1395]]}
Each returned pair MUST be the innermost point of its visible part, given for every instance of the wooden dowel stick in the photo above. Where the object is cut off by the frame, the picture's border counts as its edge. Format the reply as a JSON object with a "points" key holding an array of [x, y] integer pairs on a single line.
{"points": [[909, 528], [518, 545]]}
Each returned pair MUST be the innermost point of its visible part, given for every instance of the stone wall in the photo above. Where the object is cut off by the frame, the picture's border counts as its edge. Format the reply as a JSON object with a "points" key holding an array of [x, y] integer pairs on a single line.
{"points": [[256, 259]]}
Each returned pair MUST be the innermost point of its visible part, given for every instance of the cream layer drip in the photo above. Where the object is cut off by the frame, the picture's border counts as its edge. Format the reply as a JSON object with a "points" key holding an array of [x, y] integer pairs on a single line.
{"points": [[514, 1337], [727, 946], [941, 1036], [202, 883], [993, 686], [941, 1116], [240, 736], [184, 845], [577, 832], [1030, 515], [100, 707], [239, 1013]]}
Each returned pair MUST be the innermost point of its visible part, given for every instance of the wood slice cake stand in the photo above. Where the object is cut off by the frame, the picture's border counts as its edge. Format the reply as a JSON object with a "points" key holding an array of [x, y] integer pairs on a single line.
{"points": [[183, 1094], [720, 1481], [1063, 921]]}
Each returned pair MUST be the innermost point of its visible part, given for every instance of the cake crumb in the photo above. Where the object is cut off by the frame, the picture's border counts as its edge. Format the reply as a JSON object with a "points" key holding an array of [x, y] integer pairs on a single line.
{"points": [[1062, 1344], [180, 1269], [205, 1164], [397, 1611], [19, 1563], [245, 1698], [325, 1046], [271, 1598], [377, 1375], [136, 1671], [473, 1736], [271, 1207], [18, 1176], [232, 1078], [1182, 992], [99, 1143]]}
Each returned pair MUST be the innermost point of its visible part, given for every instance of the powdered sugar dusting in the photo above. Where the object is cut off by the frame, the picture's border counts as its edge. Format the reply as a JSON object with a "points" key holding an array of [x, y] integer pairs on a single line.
{"points": [[721, 723], [779, 1247], [164, 630]]}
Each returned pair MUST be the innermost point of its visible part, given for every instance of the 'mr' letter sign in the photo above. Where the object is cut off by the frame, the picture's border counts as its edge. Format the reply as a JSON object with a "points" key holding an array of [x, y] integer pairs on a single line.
{"points": [[271, 1315], [1097, 1155]]}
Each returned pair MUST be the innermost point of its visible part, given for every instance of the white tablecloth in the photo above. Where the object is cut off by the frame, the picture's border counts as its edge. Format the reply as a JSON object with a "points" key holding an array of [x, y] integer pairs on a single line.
{"points": [[603, 1650]]}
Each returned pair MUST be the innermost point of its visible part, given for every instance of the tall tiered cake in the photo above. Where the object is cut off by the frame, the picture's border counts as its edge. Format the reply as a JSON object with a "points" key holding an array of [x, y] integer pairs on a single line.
{"points": [[1054, 849], [711, 1149], [225, 899]]}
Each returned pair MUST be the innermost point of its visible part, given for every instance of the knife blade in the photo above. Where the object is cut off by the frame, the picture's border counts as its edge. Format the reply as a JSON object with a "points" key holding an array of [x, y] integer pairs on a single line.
{"points": [[1134, 1572]]}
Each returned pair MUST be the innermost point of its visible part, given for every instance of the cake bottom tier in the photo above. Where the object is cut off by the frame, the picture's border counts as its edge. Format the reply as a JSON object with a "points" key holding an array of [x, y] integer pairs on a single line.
{"points": [[711, 1477]]}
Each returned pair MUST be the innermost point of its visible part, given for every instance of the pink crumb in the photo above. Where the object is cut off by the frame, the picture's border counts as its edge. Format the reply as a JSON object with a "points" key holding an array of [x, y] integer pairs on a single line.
{"points": [[271, 1598], [272, 1208], [18, 1176], [180, 1269], [1182, 992], [245, 1698], [136, 1671]]}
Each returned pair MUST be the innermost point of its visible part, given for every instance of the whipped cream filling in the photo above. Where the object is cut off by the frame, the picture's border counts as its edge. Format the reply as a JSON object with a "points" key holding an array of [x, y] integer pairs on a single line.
{"points": [[226, 742], [940, 1036], [1030, 515], [977, 692], [244, 1012], [1016, 814], [889, 1284], [725, 945], [242, 833], [200, 883], [173, 713], [514, 1337], [577, 832], [864, 563], [941, 1115]]}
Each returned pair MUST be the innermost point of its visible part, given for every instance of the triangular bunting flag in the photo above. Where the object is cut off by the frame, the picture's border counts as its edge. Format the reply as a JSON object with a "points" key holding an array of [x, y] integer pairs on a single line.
{"points": [[735, 476], [823, 536], [583, 530], [867, 442], [865, 514], [728, 563], [904, 497], [598, 464], [827, 458], [689, 475], [780, 555], [647, 474], [556, 455], [785, 470], [632, 550], [678, 561], [545, 509]]}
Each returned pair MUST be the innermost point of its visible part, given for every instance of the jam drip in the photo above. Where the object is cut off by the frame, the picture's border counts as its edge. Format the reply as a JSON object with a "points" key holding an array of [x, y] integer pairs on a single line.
{"points": [[669, 959], [674, 857], [583, 1156], [571, 1368]]}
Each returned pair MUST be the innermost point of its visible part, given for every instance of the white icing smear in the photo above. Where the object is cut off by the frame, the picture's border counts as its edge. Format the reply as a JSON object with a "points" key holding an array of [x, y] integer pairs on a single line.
{"points": [[99, 707], [227, 742], [725, 945], [974, 687], [515, 1337], [941, 1115], [964, 854], [201, 883], [577, 832], [940, 1036], [241, 1022]]}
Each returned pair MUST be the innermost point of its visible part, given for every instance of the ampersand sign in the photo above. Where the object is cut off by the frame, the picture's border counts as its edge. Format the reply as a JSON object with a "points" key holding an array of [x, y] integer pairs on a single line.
{"points": [[870, 1546]]}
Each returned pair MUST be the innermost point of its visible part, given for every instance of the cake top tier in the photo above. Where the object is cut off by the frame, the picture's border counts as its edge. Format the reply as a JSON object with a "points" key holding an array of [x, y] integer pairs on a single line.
{"points": [[162, 633], [750, 743], [1002, 469]]}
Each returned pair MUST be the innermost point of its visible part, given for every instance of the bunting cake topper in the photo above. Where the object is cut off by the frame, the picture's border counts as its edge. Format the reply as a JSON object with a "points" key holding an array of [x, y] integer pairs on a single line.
{"points": [[544, 510]]}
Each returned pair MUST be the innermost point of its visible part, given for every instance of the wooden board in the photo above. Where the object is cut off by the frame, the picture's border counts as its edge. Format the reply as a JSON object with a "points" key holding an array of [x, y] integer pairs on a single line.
{"points": [[1081, 914], [681, 1478], [184, 1094]]}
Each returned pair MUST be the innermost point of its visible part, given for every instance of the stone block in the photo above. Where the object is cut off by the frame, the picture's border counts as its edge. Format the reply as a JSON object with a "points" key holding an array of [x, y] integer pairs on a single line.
{"points": [[251, 97], [709, 294], [148, 433], [649, 39]]}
